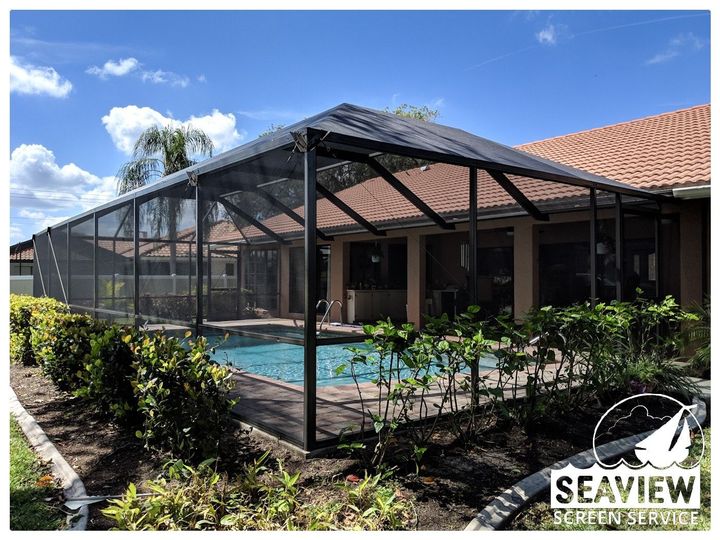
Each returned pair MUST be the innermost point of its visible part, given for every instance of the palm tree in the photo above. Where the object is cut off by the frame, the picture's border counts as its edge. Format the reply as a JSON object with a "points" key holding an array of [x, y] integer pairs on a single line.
{"points": [[158, 152]]}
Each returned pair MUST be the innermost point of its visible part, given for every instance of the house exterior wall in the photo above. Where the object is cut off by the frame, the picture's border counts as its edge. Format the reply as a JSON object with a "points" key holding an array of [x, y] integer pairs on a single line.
{"points": [[526, 275], [693, 264], [686, 282]]}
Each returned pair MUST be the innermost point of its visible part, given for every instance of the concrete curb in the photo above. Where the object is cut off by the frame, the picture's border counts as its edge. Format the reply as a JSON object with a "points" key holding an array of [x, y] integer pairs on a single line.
{"points": [[504, 507], [72, 485]]}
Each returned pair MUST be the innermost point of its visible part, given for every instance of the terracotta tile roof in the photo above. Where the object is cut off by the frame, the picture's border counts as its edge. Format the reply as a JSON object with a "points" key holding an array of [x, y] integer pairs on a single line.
{"points": [[661, 151]]}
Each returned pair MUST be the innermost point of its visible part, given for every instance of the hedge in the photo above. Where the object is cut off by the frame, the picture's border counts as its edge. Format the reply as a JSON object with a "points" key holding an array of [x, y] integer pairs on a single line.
{"points": [[23, 312], [168, 390]]}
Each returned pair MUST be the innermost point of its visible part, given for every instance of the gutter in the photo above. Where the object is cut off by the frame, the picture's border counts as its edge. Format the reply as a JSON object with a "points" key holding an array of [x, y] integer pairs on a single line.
{"points": [[694, 192]]}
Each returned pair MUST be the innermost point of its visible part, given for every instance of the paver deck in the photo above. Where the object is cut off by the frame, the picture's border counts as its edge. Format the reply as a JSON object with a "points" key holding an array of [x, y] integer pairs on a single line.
{"points": [[277, 406]]}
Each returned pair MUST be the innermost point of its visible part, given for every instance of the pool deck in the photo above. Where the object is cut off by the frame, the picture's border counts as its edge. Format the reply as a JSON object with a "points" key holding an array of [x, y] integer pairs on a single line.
{"points": [[245, 323], [277, 406]]}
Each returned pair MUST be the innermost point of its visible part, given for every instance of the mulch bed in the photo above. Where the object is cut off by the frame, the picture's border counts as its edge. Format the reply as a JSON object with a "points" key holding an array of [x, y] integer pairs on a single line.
{"points": [[455, 482]]}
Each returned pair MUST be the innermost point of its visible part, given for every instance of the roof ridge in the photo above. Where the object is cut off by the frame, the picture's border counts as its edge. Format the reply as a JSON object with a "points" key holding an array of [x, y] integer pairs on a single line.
{"points": [[624, 122]]}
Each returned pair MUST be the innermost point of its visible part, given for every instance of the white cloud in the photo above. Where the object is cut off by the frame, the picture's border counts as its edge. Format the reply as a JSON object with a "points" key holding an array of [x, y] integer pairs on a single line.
{"points": [[43, 192], [165, 77], [219, 127], [131, 66], [114, 69], [678, 45], [17, 234], [31, 214], [548, 35], [125, 124], [37, 181], [37, 80]]}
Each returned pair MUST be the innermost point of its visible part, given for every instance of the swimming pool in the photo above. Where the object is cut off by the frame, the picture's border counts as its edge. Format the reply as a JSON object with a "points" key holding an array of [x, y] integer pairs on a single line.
{"points": [[294, 335], [284, 361]]}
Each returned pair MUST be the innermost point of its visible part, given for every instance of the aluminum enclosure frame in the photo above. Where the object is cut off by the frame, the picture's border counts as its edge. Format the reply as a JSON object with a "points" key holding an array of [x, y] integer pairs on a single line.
{"points": [[320, 148]]}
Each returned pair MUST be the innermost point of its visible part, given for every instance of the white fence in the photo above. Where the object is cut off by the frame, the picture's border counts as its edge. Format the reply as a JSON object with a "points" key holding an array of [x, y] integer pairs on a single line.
{"points": [[21, 284]]}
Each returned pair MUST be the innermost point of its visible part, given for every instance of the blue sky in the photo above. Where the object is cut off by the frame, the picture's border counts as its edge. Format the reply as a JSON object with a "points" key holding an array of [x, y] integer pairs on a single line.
{"points": [[84, 84]]}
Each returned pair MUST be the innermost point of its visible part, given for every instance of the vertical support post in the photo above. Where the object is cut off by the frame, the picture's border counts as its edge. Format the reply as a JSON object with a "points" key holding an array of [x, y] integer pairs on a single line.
{"points": [[95, 263], [593, 247], [416, 274], [189, 280], [619, 245], [208, 304], [198, 260], [39, 268], [472, 267], [658, 256], [114, 255], [136, 260], [49, 264], [310, 371], [67, 262], [237, 284], [473, 235]]}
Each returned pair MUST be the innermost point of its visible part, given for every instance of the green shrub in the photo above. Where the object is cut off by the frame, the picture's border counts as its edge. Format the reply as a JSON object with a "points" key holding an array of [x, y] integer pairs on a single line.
{"points": [[697, 337], [107, 374], [187, 498], [561, 359], [23, 313], [556, 361], [420, 378], [61, 342], [182, 395]]}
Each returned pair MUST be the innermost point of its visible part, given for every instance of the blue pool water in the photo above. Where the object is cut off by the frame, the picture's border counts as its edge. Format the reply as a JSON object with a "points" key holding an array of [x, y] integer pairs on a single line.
{"points": [[284, 362]]}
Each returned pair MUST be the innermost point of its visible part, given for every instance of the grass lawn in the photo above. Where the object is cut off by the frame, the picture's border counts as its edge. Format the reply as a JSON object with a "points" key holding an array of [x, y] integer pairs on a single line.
{"points": [[30, 485], [539, 516]]}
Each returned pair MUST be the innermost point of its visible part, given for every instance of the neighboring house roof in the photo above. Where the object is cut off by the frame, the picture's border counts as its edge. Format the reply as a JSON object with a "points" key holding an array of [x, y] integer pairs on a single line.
{"points": [[22, 252], [656, 153]]}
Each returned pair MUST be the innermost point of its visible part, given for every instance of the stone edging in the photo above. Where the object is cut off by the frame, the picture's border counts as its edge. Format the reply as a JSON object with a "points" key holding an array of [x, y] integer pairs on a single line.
{"points": [[72, 485], [504, 507]]}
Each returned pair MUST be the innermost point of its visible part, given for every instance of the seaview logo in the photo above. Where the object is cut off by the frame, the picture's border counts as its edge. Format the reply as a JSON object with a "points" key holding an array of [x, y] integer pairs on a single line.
{"points": [[658, 484]]}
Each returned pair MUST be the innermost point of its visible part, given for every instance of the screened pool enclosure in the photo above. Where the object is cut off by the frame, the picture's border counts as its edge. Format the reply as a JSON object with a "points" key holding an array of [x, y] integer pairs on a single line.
{"points": [[250, 244]]}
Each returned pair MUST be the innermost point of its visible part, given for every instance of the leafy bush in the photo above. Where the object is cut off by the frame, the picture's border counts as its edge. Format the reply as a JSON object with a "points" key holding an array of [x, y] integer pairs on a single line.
{"points": [[653, 329], [647, 352], [386, 361], [697, 336], [61, 342], [182, 396], [557, 360], [188, 498], [23, 310], [107, 374], [169, 389], [560, 359], [421, 377]]}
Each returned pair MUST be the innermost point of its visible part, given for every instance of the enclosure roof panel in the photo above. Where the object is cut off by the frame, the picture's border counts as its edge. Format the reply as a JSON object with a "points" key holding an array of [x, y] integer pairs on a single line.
{"points": [[369, 131], [437, 140]]}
